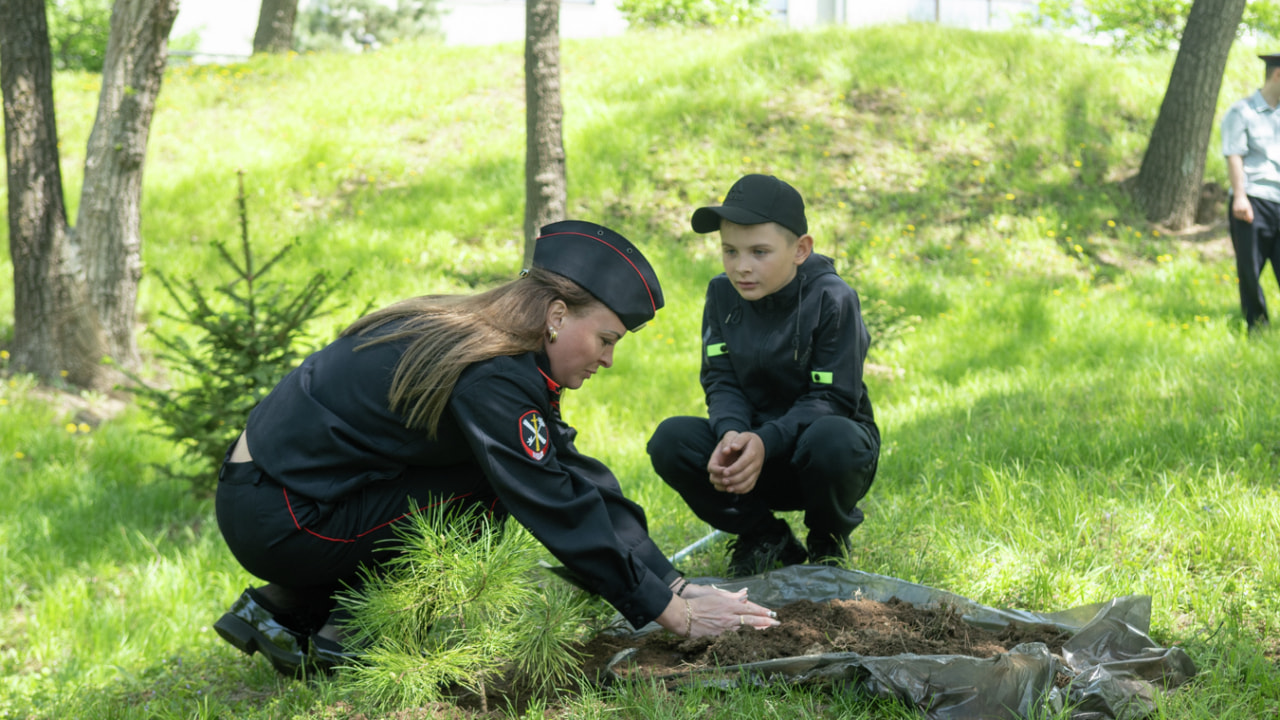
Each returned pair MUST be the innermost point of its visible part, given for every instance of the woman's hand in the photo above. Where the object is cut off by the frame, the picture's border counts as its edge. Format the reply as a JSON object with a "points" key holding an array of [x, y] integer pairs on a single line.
{"points": [[707, 610]]}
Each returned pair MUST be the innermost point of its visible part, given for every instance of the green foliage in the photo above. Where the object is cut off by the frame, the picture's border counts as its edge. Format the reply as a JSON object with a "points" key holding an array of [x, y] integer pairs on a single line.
{"points": [[1144, 25], [247, 344], [693, 13], [78, 33], [327, 25], [460, 605], [1077, 415]]}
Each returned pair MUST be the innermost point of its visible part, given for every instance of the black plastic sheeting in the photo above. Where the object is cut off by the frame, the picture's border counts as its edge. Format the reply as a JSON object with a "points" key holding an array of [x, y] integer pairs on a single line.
{"points": [[1116, 670]]}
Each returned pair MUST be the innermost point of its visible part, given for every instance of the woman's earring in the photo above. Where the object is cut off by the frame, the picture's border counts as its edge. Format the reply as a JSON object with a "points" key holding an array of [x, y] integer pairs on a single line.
{"points": [[552, 334]]}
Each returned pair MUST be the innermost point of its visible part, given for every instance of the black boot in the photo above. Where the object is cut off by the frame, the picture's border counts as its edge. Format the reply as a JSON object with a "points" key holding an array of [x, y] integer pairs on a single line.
{"points": [[250, 626], [827, 549], [763, 550]]}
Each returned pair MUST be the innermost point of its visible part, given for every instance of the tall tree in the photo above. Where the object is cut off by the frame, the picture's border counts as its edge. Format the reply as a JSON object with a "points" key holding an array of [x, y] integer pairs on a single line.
{"points": [[75, 289], [1169, 182], [544, 163], [275, 26]]}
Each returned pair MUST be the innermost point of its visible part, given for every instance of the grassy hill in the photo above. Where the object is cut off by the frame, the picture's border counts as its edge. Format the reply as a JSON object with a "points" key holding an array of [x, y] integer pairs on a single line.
{"points": [[1075, 413]]}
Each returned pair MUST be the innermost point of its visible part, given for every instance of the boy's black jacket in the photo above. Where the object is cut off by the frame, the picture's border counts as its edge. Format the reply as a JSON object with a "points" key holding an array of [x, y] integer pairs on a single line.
{"points": [[774, 365]]}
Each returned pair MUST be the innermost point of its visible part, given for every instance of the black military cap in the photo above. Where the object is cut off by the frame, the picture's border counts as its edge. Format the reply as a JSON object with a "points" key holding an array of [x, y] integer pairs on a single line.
{"points": [[605, 264], [1271, 60], [756, 199]]}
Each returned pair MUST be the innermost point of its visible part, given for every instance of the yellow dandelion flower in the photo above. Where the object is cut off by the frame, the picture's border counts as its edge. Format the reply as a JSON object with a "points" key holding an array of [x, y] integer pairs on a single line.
{"points": [[62, 373], [804, 127], [1155, 233], [1050, 233], [976, 261], [4, 401], [1111, 223], [1137, 234], [18, 454], [1077, 163], [4, 354], [976, 163], [911, 228], [671, 341], [840, 204], [1008, 196], [746, 158], [1079, 249], [979, 108], [991, 125], [83, 427], [826, 153], [70, 427]]}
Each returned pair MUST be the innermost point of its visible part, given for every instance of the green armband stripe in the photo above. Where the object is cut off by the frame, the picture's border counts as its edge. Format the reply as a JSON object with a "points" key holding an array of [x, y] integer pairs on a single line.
{"points": [[716, 350], [822, 378]]}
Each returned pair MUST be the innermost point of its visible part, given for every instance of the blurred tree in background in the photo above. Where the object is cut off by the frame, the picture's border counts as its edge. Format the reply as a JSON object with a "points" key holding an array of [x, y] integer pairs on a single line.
{"points": [[1144, 25], [326, 25]]}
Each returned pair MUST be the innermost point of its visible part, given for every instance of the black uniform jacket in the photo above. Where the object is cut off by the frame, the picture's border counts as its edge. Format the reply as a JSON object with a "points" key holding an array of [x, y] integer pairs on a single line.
{"points": [[774, 365], [327, 430]]}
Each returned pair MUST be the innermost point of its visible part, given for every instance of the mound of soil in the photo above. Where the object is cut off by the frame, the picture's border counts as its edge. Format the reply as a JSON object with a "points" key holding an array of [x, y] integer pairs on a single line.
{"points": [[866, 627]]}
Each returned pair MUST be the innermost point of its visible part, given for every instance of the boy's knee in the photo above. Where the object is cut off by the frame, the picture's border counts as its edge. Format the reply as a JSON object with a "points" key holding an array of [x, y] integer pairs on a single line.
{"points": [[676, 445], [839, 444]]}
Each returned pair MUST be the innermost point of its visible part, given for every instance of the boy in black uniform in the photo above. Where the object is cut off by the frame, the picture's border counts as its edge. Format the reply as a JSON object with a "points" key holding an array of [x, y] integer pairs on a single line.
{"points": [[790, 425]]}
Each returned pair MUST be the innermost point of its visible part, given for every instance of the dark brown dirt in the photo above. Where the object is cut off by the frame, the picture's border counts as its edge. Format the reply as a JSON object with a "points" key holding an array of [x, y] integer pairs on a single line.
{"points": [[865, 627]]}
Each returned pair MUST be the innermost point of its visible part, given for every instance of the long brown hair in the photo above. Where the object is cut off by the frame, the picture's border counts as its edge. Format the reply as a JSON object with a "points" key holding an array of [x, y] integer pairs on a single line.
{"points": [[449, 332]]}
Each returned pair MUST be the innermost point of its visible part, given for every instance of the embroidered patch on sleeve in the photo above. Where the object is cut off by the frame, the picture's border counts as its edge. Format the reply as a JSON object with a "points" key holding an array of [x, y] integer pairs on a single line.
{"points": [[533, 434]]}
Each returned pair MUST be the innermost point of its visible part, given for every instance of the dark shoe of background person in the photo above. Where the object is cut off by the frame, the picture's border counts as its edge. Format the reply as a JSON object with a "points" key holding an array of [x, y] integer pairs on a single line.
{"points": [[755, 553], [250, 627], [828, 549], [324, 654]]}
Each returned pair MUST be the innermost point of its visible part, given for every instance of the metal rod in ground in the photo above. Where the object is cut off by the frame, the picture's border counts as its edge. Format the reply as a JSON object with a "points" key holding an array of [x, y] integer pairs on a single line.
{"points": [[695, 546]]}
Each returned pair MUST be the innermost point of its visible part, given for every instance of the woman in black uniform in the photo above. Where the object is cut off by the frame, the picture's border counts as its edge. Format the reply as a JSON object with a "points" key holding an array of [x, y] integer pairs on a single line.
{"points": [[451, 399]]}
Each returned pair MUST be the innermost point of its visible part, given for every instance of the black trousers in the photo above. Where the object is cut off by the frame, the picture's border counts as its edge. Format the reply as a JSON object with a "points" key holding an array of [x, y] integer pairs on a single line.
{"points": [[832, 468], [1255, 244], [314, 549]]}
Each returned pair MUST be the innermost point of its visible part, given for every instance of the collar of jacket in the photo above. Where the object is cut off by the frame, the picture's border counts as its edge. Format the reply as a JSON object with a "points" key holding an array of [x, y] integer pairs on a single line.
{"points": [[544, 368]]}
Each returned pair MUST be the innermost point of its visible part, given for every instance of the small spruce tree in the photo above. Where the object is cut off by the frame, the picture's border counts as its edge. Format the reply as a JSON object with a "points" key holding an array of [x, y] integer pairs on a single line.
{"points": [[248, 341]]}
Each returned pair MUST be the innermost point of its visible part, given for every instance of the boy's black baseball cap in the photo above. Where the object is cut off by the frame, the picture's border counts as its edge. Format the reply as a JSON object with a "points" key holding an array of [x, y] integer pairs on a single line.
{"points": [[755, 199], [1271, 60]]}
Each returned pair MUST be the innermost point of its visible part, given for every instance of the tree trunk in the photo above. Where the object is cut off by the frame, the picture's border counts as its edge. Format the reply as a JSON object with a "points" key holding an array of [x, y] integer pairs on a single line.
{"points": [[1168, 185], [275, 26], [544, 166], [55, 328], [110, 203]]}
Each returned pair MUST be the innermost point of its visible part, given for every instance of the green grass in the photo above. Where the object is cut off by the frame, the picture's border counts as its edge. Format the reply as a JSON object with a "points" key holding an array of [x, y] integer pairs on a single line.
{"points": [[1077, 414]]}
